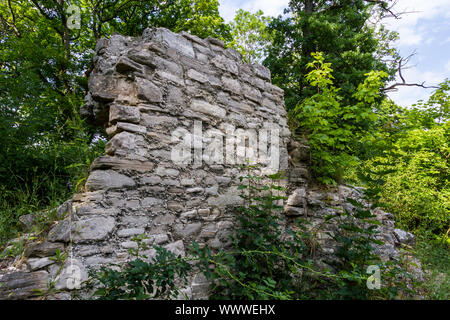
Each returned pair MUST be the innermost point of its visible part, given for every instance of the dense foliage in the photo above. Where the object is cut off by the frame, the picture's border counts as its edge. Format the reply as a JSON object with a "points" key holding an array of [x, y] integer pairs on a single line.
{"points": [[333, 128], [250, 35], [341, 30], [143, 278], [408, 162]]}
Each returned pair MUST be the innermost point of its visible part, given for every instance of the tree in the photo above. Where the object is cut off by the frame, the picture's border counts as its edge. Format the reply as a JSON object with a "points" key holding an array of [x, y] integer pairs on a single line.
{"points": [[45, 65], [199, 17], [202, 18], [333, 127], [340, 29], [408, 163], [250, 35]]}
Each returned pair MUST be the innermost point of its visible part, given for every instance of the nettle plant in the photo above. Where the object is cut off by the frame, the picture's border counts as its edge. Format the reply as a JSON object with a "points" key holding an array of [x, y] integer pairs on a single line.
{"points": [[267, 259], [264, 259], [142, 278]]}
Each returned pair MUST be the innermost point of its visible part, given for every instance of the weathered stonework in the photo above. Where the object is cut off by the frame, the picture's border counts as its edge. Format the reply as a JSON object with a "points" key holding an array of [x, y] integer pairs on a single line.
{"points": [[141, 91]]}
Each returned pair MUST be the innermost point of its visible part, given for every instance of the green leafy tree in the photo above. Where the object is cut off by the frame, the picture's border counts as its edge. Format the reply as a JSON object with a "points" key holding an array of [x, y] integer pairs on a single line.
{"points": [[332, 127], [202, 18], [341, 30], [408, 166], [45, 63], [250, 35]]}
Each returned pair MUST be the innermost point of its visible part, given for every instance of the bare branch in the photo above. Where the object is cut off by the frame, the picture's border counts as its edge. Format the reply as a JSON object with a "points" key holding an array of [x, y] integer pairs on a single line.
{"points": [[398, 15], [402, 65], [383, 4]]}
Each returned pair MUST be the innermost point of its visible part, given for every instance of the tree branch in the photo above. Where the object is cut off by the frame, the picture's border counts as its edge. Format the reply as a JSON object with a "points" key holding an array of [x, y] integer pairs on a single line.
{"points": [[402, 62]]}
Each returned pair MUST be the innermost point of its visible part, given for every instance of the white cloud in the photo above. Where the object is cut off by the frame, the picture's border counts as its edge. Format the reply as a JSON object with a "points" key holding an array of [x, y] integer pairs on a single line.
{"points": [[419, 10], [269, 7], [406, 96], [412, 33], [409, 36], [416, 31], [447, 66]]}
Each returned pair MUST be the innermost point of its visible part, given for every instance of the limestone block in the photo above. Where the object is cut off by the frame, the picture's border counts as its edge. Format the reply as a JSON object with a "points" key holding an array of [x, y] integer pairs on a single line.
{"points": [[175, 96], [207, 108], [128, 145], [71, 276], [225, 64], [171, 40], [125, 65], [23, 285], [60, 232], [170, 77], [148, 91], [159, 239], [168, 66], [151, 202], [404, 237], [142, 55], [194, 38], [108, 179], [96, 228], [43, 249], [233, 54], [215, 41], [39, 263], [262, 72], [188, 230], [124, 126], [251, 93], [197, 76], [135, 221], [238, 106], [151, 180], [152, 121], [130, 232], [187, 182], [119, 112], [170, 182], [230, 198], [232, 85], [27, 221], [102, 88], [106, 162], [297, 198], [165, 219], [294, 211]]}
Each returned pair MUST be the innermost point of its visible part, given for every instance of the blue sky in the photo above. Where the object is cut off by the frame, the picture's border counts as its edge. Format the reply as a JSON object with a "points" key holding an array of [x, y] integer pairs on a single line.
{"points": [[426, 31]]}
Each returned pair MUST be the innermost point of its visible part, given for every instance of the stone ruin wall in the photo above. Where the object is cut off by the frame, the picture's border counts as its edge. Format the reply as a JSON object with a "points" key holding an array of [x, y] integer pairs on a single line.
{"points": [[141, 91]]}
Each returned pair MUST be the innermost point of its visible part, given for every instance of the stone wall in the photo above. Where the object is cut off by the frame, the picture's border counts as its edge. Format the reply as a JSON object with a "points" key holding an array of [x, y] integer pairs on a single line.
{"points": [[181, 113]]}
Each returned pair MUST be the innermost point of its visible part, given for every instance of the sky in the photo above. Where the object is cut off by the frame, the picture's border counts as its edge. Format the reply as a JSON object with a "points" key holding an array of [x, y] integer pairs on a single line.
{"points": [[425, 31]]}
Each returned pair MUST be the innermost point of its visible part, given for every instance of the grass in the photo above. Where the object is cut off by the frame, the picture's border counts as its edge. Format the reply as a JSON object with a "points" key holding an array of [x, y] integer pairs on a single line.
{"points": [[435, 257], [26, 200]]}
